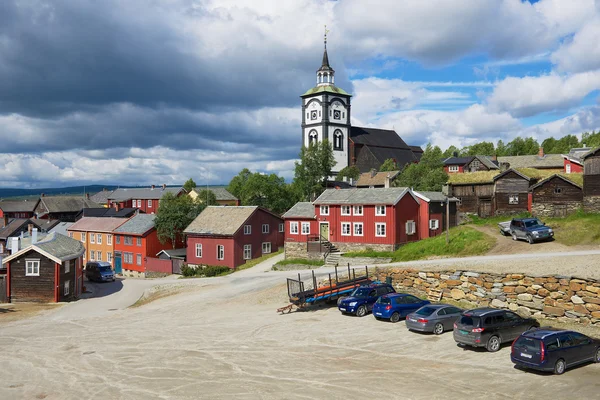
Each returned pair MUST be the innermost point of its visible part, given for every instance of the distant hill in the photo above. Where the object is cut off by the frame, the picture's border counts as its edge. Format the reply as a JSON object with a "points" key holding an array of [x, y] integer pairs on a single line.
{"points": [[73, 190]]}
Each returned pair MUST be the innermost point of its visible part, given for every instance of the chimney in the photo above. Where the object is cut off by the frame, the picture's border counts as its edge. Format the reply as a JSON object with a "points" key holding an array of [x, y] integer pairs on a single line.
{"points": [[387, 180], [152, 187], [5, 220], [42, 195], [373, 172], [29, 229], [87, 196], [14, 246], [541, 152], [455, 154], [34, 233], [164, 186]]}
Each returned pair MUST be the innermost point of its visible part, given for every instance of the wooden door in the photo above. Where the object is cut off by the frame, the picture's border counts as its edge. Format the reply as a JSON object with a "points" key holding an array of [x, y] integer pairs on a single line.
{"points": [[485, 208], [324, 230]]}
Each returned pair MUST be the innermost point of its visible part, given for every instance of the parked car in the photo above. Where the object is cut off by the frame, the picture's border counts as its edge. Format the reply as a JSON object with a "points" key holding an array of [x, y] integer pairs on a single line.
{"points": [[554, 350], [99, 271], [395, 306], [530, 229], [435, 318], [361, 300], [490, 327]]}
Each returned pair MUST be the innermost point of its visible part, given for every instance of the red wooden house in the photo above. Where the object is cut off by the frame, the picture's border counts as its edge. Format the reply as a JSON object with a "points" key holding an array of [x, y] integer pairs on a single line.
{"points": [[573, 162], [134, 242], [18, 209], [230, 235], [144, 199], [432, 213], [46, 270]]}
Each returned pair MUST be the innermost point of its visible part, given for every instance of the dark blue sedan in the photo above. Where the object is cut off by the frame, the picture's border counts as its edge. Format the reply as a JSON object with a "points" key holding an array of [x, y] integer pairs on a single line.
{"points": [[397, 305], [361, 300]]}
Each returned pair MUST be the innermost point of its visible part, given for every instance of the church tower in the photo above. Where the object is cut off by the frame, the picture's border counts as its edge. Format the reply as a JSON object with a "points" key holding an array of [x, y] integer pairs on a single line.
{"points": [[326, 113]]}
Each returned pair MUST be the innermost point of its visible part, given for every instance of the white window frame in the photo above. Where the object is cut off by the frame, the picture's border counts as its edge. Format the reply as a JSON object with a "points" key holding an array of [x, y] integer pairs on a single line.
{"points": [[434, 224], [346, 210], [294, 228], [149, 203], [99, 256], [198, 250], [71, 235], [410, 227], [128, 240], [568, 168], [118, 239], [35, 267], [92, 255], [324, 210], [99, 238], [349, 226], [281, 228], [247, 229], [453, 168], [380, 211], [138, 241], [356, 225], [247, 252], [513, 199], [265, 228], [266, 247], [378, 225], [139, 203], [220, 252], [83, 237], [66, 288], [109, 240], [357, 210], [307, 225], [109, 257], [67, 266], [92, 238], [138, 259]]}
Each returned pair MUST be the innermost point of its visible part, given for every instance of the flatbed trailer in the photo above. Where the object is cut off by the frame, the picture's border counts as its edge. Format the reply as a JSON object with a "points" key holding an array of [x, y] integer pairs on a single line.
{"points": [[302, 293]]}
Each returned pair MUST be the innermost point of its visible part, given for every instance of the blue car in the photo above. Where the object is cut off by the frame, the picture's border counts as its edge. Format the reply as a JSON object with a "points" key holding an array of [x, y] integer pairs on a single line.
{"points": [[361, 300], [397, 305]]}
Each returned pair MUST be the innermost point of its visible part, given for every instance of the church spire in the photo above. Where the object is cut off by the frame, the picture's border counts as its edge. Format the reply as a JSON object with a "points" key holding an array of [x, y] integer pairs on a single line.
{"points": [[325, 74]]}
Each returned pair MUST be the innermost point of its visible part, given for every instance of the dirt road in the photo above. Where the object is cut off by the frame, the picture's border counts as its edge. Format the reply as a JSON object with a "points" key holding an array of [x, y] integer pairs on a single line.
{"points": [[223, 340]]}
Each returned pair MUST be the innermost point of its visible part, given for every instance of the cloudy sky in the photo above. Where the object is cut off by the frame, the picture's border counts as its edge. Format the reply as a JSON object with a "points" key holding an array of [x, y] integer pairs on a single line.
{"points": [[157, 91]]}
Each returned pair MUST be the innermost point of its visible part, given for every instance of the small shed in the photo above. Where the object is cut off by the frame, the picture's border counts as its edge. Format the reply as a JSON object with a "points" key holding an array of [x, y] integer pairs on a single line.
{"points": [[511, 188], [172, 254], [556, 196]]}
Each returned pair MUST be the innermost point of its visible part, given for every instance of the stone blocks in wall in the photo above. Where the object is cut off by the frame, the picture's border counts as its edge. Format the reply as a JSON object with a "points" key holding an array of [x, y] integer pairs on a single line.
{"points": [[133, 274], [295, 250], [591, 204], [346, 247], [545, 210]]}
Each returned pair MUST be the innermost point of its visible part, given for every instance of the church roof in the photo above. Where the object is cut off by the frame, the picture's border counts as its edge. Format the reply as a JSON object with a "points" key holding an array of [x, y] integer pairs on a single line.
{"points": [[377, 137], [326, 89], [325, 64]]}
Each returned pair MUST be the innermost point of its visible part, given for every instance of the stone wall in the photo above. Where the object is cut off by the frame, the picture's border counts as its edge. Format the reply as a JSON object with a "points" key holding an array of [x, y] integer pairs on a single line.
{"points": [[543, 210], [346, 247], [591, 204], [364, 260], [555, 297], [293, 250]]}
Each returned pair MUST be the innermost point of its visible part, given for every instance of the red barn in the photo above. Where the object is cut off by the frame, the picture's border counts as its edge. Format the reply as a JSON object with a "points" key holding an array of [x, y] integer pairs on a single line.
{"points": [[573, 162], [231, 235], [144, 199], [135, 241], [432, 213]]}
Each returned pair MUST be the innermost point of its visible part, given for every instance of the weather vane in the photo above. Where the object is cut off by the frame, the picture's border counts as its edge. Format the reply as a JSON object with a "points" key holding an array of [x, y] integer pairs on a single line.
{"points": [[326, 32]]}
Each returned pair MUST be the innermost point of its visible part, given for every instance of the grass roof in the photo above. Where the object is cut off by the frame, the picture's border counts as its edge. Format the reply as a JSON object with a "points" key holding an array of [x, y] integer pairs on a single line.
{"points": [[481, 177]]}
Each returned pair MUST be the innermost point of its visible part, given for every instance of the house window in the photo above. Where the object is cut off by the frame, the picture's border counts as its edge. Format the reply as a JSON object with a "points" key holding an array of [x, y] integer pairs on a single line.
{"points": [[358, 210], [247, 251], [220, 252], [345, 228], [84, 255], [109, 257], [306, 228], [99, 238], [453, 168], [92, 238], [83, 237], [265, 228], [138, 259], [198, 250], [99, 256], [128, 240], [281, 228], [380, 210], [139, 203], [557, 190], [128, 258], [109, 240], [380, 230], [92, 255], [67, 266], [32, 267], [138, 241], [266, 247], [66, 288], [513, 199], [345, 210], [247, 229], [70, 234], [358, 229], [149, 203], [324, 210], [410, 227], [434, 224], [568, 168], [118, 239], [293, 228], [338, 138]]}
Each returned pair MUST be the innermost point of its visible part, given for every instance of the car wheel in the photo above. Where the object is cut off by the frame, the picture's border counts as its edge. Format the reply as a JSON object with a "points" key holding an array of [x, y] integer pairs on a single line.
{"points": [[514, 236], [362, 311], [597, 356], [493, 344], [438, 329], [395, 317], [530, 239], [560, 367]]}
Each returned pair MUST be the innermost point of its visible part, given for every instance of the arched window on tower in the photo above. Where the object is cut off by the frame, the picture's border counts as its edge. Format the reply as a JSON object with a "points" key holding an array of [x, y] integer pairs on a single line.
{"points": [[338, 140], [313, 136]]}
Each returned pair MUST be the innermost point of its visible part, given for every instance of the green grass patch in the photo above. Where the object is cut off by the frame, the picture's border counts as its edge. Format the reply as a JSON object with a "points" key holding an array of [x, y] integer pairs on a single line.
{"points": [[493, 221], [252, 263], [464, 241], [301, 261], [578, 228]]}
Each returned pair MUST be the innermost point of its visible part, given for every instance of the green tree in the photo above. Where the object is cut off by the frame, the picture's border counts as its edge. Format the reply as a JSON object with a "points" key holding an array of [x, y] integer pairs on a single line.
{"points": [[389, 165], [500, 148], [174, 215], [348, 172], [268, 191], [590, 139], [450, 151], [522, 147], [428, 174], [479, 149], [313, 170], [236, 185], [207, 197], [189, 185]]}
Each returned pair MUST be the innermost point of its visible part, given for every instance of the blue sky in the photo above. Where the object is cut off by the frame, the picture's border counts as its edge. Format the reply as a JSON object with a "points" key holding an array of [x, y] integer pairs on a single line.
{"points": [[144, 92]]}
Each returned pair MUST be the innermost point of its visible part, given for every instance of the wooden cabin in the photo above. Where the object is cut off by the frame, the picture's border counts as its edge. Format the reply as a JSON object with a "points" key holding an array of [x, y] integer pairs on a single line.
{"points": [[510, 192], [591, 181], [556, 196]]}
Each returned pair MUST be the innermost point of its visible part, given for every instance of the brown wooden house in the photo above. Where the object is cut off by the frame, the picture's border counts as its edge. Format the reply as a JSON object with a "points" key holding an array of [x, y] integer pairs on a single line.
{"points": [[591, 181], [510, 192], [556, 196], [46, 270]]}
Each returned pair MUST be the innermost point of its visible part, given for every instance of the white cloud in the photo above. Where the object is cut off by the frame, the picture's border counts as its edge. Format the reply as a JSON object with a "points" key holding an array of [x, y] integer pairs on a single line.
{"points": [[582, 52]]}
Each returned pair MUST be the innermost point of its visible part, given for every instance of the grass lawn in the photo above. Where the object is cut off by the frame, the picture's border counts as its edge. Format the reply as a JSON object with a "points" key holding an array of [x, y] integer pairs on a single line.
{"points": [[464, 241], [301, 261], [256, 261], [493, 221], [578, 228]]}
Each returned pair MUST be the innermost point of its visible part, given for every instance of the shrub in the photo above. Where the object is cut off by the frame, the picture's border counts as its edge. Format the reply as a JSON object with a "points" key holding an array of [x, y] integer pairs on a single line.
{"points": [[213, 270], [188, 271]]}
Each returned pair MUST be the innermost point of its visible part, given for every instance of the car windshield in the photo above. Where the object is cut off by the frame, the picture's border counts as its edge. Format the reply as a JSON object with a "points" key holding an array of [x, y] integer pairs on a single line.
{"points": [[425, 311], [532, 223], [469, 320], [361, 292], [384, 300], [103, 268], [528, 343]]}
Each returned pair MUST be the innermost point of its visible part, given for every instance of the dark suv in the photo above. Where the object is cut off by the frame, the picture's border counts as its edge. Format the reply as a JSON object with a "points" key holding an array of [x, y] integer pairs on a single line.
{"points": [[361, 300], [99, 271], [490, 327], [530, 229], [553, 350]]}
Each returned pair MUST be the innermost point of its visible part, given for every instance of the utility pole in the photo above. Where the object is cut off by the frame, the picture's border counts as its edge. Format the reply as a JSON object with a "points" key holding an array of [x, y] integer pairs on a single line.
{"points": [[447, 220]]}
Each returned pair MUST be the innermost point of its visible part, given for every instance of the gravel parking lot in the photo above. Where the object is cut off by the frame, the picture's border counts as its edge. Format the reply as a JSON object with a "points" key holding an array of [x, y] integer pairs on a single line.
{"points": [[223, 340]]}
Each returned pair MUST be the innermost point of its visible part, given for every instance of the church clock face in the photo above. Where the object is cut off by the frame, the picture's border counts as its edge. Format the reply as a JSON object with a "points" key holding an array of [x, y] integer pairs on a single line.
{"points": [[313, 115], [336, 114]]}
